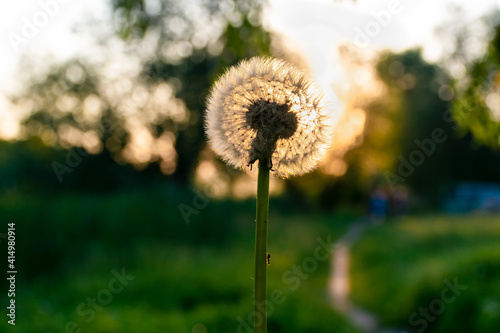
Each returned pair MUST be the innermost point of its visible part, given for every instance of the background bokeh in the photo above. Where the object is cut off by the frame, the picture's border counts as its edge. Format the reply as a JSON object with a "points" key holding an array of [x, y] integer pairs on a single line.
{"points": [[126, 221]]}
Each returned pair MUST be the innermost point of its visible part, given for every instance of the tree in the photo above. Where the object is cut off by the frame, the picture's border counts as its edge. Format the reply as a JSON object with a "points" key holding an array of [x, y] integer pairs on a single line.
{"points": [[180, 48], [477, 106], [411, 137]]}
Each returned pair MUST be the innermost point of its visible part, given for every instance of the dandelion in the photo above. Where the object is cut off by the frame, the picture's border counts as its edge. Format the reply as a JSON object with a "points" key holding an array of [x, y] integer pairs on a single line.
{"points": [[268, 111], [265, 109]]}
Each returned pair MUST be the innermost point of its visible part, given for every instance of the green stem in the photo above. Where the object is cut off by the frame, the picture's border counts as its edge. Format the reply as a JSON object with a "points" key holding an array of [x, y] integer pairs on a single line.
{"points": [[260, 321]]}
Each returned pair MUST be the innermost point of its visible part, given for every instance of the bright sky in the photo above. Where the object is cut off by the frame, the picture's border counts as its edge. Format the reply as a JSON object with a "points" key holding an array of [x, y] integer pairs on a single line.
{"points": [[319, 26], [316, 26]]}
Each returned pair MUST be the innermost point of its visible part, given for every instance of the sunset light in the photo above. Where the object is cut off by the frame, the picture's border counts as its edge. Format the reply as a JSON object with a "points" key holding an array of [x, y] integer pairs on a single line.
{"points": [[250, 166]]}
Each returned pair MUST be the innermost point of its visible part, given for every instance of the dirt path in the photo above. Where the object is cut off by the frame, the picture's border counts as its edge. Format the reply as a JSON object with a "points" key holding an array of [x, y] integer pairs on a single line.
{"points": [[339, 282]]}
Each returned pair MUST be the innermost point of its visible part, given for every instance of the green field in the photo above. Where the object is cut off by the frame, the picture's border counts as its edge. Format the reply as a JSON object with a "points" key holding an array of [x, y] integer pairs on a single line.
{"points": [[401, 267], [193, 277], [197, 277]]}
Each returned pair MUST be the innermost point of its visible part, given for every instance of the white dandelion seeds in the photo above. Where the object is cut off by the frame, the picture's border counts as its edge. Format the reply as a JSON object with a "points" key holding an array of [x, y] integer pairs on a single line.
{"points": [[265, 109]]}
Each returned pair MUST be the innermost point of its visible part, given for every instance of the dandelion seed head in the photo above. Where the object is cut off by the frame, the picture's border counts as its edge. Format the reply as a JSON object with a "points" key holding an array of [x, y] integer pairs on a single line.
{"points": [[266, 109]]}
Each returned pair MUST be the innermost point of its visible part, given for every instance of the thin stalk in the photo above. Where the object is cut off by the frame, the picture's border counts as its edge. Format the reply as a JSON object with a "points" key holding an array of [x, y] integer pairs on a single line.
{"points": [[260, 321]]}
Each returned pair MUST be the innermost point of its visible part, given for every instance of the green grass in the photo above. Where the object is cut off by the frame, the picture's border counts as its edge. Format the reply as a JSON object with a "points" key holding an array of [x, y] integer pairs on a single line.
{"points": [[401, 266], [188, 278]]}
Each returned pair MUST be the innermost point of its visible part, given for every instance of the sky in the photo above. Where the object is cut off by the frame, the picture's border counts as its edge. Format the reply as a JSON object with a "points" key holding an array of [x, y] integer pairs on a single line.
{"points": [[317, 27], [45, 28]]}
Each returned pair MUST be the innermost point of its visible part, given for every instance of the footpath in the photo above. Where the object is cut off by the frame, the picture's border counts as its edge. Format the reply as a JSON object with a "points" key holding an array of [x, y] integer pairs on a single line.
{"points": [[339, 282]]}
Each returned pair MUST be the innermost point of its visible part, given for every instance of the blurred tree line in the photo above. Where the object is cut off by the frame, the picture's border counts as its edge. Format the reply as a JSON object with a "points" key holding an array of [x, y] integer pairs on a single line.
{"points": [[181, 48], [186, 56], [412, 137]]}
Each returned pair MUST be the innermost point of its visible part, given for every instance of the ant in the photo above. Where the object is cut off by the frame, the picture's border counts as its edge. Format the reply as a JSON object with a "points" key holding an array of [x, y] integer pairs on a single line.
{"points": [[268, 257]]}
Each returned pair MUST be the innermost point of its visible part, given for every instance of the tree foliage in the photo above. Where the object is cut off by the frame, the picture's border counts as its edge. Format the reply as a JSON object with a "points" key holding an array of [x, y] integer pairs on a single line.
{"points": [[477, 106], [177, 44], [399, 146]]}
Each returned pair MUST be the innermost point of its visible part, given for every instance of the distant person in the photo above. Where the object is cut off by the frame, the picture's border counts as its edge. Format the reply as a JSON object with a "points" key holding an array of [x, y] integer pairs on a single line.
{"points": [[379, 205]]}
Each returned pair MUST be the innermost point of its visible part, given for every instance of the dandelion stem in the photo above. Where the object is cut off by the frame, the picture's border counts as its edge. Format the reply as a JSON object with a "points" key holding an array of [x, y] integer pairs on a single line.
{"points": [[260, 321]]}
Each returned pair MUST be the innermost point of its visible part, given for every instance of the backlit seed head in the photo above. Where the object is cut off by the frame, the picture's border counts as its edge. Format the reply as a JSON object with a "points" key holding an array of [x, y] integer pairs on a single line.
{"points": [[267, 110]]}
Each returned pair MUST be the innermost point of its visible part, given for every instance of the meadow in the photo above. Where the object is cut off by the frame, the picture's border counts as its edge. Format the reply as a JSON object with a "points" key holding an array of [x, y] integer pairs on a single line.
{"points": [[128, 262], [431, 273]]}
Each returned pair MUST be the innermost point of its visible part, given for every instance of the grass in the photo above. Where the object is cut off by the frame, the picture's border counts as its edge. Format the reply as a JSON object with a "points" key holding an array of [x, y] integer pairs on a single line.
{"points": [[193, 277], [400, 267]]}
